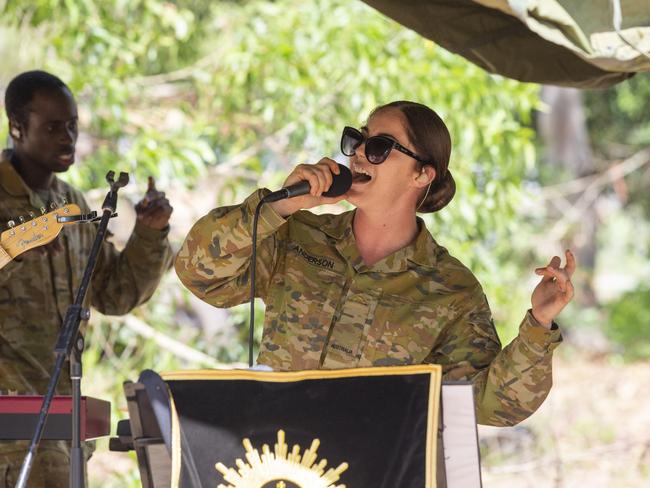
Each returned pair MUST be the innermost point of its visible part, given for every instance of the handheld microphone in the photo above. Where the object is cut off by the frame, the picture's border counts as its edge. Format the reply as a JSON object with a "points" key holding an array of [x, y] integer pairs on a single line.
{"points": [[341, 183]]}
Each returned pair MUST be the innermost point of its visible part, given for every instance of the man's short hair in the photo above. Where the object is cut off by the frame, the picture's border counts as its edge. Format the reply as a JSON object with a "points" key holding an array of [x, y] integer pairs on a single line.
{"points": [[21, 89]]}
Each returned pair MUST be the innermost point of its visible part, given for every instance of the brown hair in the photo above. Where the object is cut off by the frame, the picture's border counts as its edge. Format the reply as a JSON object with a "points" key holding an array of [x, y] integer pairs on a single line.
{"points": [[432, 142]]}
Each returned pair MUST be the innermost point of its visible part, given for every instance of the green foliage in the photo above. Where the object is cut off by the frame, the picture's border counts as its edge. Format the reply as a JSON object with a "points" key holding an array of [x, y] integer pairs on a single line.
{"points": [[259, 86], [619, 126], [176, 89], [629, 323], [95, 46], [222, 94], [618, 117]]}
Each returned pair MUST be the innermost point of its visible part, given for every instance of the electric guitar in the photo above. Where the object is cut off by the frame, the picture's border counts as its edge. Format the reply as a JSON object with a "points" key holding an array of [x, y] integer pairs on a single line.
{"points": [[36, 232]]}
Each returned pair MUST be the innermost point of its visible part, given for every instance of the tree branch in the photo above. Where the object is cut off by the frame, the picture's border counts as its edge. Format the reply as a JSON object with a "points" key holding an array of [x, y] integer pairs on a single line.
{"points": [[610, 175], [591, 187]]}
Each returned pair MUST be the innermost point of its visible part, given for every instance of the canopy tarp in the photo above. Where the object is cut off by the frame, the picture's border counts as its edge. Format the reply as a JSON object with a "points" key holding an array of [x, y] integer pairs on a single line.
{"points": [[581, 43]]}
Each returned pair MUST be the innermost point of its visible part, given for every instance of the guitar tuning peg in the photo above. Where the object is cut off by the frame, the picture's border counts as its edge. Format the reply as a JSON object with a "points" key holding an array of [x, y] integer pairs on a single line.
{"points": [[11, 224], [31, 214], [43, 210], [53, 205], [64, 201], [21, 219]]}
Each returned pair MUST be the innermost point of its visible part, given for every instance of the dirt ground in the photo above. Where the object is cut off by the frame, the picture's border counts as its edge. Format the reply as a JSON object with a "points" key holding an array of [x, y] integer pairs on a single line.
{"points": [[592, 431]]}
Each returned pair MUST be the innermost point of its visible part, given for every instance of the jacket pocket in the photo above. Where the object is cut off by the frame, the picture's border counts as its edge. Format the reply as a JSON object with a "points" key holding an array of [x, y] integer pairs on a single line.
{"points": [[298, 316], [403, 332]]}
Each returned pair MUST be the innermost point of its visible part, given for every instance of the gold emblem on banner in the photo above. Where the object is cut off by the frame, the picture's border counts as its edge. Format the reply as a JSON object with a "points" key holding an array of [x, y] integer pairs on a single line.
{"points": [[281, 468]]}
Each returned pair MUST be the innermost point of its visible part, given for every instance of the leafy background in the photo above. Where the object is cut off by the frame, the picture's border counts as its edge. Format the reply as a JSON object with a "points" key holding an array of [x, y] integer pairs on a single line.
{"points": [[216, 98]]}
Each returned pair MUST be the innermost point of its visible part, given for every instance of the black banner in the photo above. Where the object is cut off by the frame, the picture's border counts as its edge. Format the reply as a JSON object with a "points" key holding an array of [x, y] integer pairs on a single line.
{"points": [[359, 428]]}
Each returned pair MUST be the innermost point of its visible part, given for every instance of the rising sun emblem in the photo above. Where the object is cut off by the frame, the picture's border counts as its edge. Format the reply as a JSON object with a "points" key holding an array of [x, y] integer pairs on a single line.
{"points": [[281, 468]]}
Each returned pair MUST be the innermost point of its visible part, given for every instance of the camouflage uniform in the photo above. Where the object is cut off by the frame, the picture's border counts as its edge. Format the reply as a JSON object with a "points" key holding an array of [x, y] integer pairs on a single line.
{"points": [[326, 309], [36, 289]]}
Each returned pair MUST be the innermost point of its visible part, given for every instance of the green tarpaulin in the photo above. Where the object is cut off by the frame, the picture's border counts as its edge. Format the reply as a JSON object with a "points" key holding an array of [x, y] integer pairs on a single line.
{"points": [[581, 43]]}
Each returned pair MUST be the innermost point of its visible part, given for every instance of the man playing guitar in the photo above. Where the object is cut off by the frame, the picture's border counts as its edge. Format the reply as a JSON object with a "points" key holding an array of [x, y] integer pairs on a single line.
{"points": [[37, 286]]}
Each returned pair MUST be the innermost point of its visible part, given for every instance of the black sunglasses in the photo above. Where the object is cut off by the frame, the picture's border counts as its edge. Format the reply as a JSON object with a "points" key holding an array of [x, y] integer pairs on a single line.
{"points": [[377, 147]]}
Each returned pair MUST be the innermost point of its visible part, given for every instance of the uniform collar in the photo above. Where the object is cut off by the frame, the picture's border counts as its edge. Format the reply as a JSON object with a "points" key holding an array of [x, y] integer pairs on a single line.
{"points": [[421, 252], [9, 177], [424, 248], [13, 184], [337, 226]]}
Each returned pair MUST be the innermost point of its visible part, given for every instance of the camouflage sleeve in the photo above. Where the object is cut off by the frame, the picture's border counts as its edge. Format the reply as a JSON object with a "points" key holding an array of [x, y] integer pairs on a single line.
{"points": [[125, 280], [214, 261], [509, 384]]}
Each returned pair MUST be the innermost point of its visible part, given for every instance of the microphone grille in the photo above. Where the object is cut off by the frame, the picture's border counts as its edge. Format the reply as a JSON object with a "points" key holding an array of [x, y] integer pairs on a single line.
{"points": [[341, 183]]}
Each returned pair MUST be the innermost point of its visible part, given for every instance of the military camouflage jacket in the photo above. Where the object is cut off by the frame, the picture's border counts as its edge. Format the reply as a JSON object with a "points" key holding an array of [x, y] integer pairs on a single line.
{"points": [[37, 288], [326, 309]]}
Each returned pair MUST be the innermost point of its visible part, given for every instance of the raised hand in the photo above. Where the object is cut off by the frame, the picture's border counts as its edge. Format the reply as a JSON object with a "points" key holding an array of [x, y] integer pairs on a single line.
{"points": [[154, 209], [555, 290]]}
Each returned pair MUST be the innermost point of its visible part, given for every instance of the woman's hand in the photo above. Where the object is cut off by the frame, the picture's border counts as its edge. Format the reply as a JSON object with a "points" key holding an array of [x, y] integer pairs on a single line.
{"points": [[320, 179], [555, 290]]}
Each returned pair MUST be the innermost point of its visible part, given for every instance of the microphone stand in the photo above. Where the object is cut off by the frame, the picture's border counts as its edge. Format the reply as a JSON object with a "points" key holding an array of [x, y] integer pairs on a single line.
{"points": [[68, 338]]}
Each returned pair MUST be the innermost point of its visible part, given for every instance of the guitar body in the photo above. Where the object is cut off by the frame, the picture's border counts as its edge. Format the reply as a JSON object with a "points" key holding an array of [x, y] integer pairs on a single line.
{"points": [[34, 233]]}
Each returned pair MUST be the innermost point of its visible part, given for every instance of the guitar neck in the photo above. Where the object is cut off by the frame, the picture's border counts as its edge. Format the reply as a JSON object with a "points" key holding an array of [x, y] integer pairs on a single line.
{"points": [[4, 257], [36, 232]]}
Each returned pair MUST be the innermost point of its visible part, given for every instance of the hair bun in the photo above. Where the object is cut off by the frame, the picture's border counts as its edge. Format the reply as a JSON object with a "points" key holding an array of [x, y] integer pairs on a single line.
{"points": [[441, 193]]}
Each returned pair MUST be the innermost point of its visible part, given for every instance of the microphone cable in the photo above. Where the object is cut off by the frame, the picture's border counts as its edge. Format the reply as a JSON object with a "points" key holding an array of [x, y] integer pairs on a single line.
{"points": [[251, 325], [341, 184]]}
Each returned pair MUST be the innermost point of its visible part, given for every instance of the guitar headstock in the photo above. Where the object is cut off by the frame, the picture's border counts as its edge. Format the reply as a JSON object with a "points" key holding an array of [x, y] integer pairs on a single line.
{"points": [[39, 230]]}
